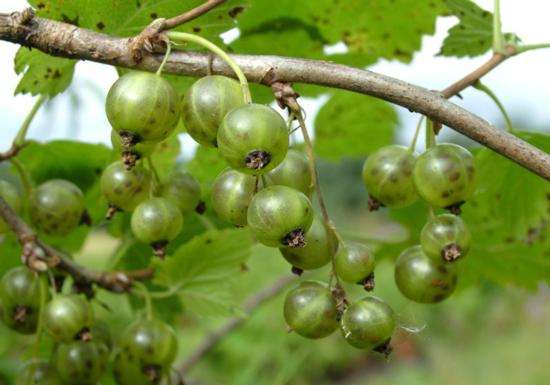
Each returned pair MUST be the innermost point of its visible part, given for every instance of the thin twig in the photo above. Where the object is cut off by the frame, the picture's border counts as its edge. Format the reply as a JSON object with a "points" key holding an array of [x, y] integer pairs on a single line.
{"points": [[40, 256], [175, 21], [248, 307]]}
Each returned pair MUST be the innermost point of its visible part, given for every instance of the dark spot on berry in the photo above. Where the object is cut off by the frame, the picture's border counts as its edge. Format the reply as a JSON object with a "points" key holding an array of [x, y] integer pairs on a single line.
{"points": [[439, 297], [454, 176], [152, 121]]}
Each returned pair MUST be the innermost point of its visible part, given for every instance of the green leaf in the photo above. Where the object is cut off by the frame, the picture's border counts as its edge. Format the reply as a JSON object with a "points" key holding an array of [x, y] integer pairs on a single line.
{"points": [[204, 269], [352, 125], [473, 35], [42, 73]]}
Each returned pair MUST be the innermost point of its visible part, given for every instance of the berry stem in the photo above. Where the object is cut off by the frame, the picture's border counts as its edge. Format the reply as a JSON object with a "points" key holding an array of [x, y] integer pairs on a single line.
{"points": [[156, 177], [165, 60], [190, 38], [40, 323], [430, 135], [498, 40], [483, 88], [24, 175], [531, 47], [206, 222], [146, 295], [416, 134], [22, 133], [315, 176]]}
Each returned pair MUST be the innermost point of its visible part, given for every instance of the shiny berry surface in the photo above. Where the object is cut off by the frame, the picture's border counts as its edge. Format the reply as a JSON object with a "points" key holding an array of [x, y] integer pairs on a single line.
{"points": [[354, 262], [156, 220], [81, 362], [13, 198], [206, 103], [445, 237], [294, 171], [66, 316], [231, 195], [123, 188]]}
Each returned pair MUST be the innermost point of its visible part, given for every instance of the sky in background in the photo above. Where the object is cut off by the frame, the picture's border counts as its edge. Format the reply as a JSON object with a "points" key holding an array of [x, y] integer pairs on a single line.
{"points": [[522, 83]]}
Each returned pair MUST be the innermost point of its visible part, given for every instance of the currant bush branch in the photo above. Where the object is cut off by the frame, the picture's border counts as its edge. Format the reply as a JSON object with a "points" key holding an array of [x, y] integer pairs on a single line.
{"points": [[40, 257], [61, 39]]}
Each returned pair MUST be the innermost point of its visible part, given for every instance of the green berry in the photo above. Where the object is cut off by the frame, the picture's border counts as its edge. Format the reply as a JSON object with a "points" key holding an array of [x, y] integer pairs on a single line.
{"points": [[56, 207], [183, 190], [142, 107], [20, 298], [280, 216], [37, 372], [316, 253], [444, 175], [422, 279], [354, 263], [310, 310], [387, 175], [445, 237], [368, 323], [12, 197], [253, 138], [294, 171], [206, 103], [66, 316], [80, 362], [123, 188], [231, 195]]}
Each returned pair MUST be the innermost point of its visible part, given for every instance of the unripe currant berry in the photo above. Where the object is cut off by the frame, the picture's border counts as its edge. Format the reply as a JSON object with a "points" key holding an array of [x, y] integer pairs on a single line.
{"points": [[183, 190], [354, 263], [123, 188], [316, 253], [231, 195], [206, 103], [387, 174], [12, 197], [56, 207], [294, 171], [280, 216], [310, 310], [130, 154], [20, 298], [444, 176], [142, 107], [156, 221], [422, 279], [446, 237], [68, 317], [81, 362], [37, 372], [253, 138], [368, 324]]}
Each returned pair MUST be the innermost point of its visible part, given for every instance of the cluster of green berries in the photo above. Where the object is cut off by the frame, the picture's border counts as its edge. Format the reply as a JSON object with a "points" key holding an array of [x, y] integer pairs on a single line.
{"points": [[444, 177], [83, 347]]}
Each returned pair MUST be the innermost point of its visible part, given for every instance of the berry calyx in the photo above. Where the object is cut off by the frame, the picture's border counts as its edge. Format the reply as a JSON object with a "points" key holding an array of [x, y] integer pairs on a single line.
{"points": [[310, 310], [387, 175], [20, 299], [253, 138], [81, 362], [183, 190], [68, 317], [56, 207], [445, 237], [123, 188], [206, 103], [130, 154], [294, 171], [423, 279], [231, 195], [142, 107], [156, 221], [444, 176], [354, 263], [12, 197], [280, 216], [315, 254]]}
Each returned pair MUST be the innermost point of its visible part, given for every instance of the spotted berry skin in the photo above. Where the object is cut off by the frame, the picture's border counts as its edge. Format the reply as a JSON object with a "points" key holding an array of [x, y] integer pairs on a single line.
{"points": [[156, 220], [446, 237], [387, 175], [124, 188], [183, 190], [12, 197], [81, 362], [37, 372], [56, 207], [354, 262], [444, 175], [422, 279], [310, 310], [143, 104], [20, 299], [206, 103], [294, 171], [316, 253], [231, 195], [276, 212], [368, 323], [253, 139], [66, 316]]}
